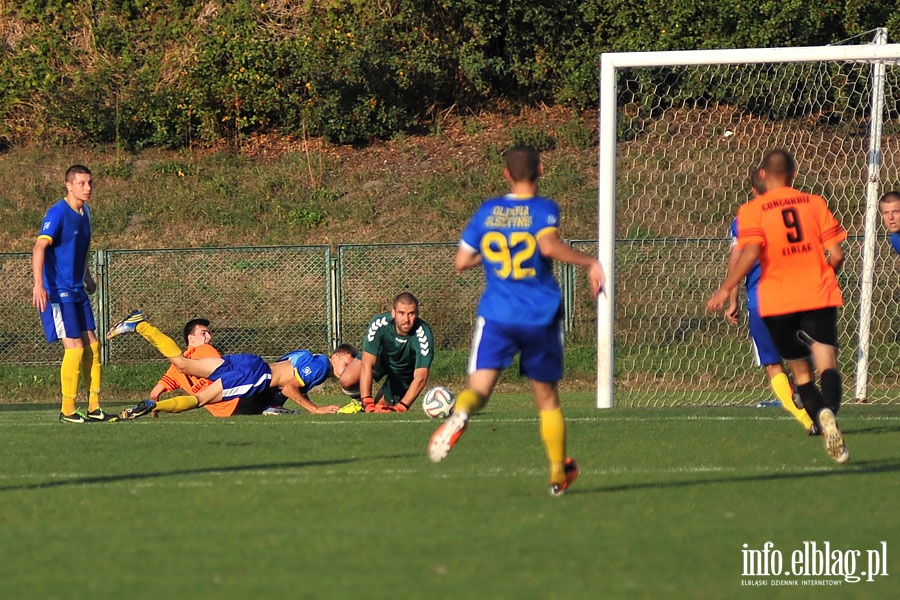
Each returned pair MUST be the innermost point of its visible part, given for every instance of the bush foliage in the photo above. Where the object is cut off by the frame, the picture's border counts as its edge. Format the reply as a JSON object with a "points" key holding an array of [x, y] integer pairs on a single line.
{"points": [[181, 72]]}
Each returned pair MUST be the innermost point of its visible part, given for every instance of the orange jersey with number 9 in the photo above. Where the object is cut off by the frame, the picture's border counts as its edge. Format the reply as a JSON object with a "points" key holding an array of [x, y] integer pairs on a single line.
{"points": [[794, 229]]}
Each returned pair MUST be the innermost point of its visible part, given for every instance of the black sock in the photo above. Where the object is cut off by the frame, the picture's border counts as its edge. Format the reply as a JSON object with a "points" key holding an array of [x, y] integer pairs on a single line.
{"points": [[831, 389], [811, 399]]}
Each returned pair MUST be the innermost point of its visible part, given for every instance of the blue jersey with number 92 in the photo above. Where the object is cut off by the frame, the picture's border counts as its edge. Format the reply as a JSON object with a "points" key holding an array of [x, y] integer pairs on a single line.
{"points": [[520, 286]]}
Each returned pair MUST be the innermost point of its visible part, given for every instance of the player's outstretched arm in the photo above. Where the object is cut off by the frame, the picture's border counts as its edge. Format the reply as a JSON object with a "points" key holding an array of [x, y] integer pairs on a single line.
{"points": [[736, 274], [466, 258], [293, 392], [731, 312], [552, 246]]}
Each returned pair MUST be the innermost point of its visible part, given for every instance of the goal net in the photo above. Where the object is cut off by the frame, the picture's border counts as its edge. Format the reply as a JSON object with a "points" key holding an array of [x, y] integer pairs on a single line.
{"points": [[679, 133]]}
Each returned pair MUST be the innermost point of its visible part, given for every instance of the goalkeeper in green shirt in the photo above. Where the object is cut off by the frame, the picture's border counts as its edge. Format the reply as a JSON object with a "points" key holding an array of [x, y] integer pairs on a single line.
{"points": [[398, 348]]}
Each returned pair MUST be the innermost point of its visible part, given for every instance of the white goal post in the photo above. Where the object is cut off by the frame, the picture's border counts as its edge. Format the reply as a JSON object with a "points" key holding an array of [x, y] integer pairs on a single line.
{"points": [[678, 134]]}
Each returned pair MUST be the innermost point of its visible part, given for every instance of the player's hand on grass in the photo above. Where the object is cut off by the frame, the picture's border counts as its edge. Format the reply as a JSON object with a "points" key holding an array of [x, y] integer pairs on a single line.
{"points": [[327, 410]]}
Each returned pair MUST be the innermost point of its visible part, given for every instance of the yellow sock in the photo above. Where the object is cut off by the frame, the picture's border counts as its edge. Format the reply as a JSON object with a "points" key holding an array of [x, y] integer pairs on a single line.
{"points": [[469, 401], [177, 404], [90, 371], [781, 385], [160, 341], [553, 433], [68, 378]]}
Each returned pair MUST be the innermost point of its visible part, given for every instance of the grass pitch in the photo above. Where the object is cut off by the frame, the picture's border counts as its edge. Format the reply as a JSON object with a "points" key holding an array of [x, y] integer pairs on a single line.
{"points": [[348, 506]]}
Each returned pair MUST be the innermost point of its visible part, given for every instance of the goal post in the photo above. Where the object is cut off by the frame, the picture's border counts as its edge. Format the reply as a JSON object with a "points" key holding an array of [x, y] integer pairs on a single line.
{"points": [[678, 134]]}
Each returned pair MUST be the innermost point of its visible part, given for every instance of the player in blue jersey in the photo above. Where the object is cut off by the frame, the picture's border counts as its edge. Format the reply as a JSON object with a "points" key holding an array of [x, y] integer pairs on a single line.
{"points": [[62, 282], [515, 238], [765, 353], [236, 375], [889, 205]]}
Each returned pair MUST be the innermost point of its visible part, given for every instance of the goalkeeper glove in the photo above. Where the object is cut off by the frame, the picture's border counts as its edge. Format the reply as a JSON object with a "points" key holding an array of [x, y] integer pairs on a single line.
{"points": [[399, 407], [368, 404]]}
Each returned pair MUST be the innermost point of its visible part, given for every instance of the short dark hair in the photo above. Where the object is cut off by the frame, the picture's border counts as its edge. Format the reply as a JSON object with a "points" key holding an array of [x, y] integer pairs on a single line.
{"points": [[779, 163], [890, 197], [77, 170], [757, 181], [191, 325], [346, 349], [405, 298], [523, 163]]}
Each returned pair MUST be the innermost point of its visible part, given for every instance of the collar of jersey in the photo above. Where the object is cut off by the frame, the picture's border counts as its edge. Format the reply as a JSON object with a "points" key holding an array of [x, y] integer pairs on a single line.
{"points": [[519, 196]]}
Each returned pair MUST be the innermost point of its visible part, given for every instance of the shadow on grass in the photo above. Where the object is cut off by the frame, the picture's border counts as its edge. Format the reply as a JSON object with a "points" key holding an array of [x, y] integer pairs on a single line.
{"points": [[30, 407], [854, 468], [851, 431], [46, 485]]}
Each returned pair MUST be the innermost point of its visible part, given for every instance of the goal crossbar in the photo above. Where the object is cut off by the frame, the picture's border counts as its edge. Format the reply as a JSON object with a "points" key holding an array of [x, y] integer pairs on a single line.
{"points": [[610, 63]]}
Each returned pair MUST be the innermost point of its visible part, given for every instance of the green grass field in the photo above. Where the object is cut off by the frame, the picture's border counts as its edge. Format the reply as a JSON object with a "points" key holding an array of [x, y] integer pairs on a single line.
{"points": [[348, 506]]}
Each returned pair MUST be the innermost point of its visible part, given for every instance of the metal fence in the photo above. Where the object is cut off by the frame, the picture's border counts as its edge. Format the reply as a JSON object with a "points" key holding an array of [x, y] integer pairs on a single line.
{"points": [[269, 300], [265, 300]]}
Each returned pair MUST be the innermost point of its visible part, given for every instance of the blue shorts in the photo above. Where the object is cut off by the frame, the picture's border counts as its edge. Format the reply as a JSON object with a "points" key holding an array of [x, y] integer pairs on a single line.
{"points": [[540, 346], [67, 319], [242, 375], [764, 351]]}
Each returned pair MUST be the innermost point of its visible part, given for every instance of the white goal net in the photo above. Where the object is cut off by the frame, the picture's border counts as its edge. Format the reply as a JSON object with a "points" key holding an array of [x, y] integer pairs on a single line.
{"points": [[679, 133]]}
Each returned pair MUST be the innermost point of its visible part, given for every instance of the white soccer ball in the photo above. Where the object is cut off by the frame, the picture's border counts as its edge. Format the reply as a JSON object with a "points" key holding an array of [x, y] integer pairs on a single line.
{"points": [[438, 402]]}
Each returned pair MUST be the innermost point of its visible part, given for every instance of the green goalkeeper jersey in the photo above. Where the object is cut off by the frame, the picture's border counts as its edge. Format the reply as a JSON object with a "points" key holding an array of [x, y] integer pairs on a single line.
{"points": [[396, 354]]}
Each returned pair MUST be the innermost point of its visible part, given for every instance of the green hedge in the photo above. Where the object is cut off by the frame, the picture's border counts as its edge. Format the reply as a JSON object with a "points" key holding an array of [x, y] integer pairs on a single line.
{"points": [[179, 72]]}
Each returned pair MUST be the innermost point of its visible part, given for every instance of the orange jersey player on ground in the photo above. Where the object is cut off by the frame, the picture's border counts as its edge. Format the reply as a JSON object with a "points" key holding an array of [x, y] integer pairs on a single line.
{"points": [[197, 337], [793, 229], [175, 379]]}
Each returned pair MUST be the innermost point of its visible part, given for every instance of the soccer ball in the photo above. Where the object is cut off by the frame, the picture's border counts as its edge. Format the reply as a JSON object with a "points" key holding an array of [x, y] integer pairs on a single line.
{"points": [[438, 402]]}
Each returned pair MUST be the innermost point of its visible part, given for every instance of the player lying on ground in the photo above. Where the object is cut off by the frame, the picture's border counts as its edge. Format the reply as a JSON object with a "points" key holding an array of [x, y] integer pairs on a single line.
{"points": [[198, 344], [236, 375]]}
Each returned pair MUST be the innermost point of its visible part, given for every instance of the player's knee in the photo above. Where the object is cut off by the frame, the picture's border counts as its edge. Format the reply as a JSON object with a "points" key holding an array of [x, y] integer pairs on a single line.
{"points": [[352, 390]]}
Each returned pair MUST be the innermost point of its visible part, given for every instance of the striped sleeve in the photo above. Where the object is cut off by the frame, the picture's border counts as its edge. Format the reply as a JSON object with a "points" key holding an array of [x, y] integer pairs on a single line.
{"points": [[750, 230]]}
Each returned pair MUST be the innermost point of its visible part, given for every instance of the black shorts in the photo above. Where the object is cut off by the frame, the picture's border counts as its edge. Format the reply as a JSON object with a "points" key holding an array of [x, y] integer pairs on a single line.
{"points": [[794, 332], [395, 384], [255, 404]]}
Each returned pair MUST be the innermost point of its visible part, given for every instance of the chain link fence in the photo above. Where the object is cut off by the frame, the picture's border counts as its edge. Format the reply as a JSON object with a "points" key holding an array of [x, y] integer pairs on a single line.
{"points": [[262, 300], [371, 276], [267, 301], [272, 300]]}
